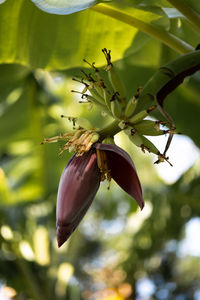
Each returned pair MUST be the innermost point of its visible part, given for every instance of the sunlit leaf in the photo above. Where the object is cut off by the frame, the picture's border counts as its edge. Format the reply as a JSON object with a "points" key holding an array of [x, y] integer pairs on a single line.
{"points": [[148, 14], [60, 42]]}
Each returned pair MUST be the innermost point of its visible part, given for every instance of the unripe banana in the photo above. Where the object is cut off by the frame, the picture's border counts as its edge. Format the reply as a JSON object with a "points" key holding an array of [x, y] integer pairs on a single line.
{"points": [[114, 78], [149, 127], [116, 108], [138, 117], [99, 86], [94, 138], [108, 140], [141, 115], [122, 124], [130, 107], [149, 146], [96, 88], [136, 139], [107, 97], [92, 99], [97, 103], [97, 96], [84, 123], [141, 141], [116, 82]]}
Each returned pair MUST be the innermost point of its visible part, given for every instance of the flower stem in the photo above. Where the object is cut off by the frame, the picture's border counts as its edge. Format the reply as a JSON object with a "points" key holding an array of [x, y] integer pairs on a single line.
{"points": [[110, 130], [165, 37], [187, 11], [166, 79]]}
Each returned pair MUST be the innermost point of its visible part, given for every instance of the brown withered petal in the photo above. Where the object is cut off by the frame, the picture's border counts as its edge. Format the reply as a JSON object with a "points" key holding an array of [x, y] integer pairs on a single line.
{"points": [[123, 171], [78, 185]]}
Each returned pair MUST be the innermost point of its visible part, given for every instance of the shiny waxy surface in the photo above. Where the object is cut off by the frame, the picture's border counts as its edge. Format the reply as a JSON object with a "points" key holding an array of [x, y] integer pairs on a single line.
{"points": [[64, 7], [78, 185], [80, 181], [123, 171]]}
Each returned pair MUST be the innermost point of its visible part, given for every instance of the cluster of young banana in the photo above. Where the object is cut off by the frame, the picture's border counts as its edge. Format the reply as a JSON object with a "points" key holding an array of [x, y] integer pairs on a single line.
{"points": [[110, 101], [114, 102]]}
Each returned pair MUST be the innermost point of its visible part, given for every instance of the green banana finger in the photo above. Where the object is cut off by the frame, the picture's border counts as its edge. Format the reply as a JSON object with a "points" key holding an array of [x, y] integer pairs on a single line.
{"points": [[141, 115], [99, 86], [149, 127], [108, 140], [96, 88], [116, 108], [114, 78], [94, 138], [149, 146], [136, 139], [141, 141], [123, 124], [97, 103], [107, 98], [138, 117], [97, 96], [84, 123], [130, 107], [134, 136], [116, 82]]}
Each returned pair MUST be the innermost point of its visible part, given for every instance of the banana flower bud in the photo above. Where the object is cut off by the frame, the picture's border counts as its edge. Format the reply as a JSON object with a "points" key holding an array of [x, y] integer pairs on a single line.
{"points": [[80, 181], [77, 188]]}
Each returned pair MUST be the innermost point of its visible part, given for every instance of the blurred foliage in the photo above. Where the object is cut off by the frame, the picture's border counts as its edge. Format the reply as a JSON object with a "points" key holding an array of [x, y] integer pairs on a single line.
{"points": [[115, 246]]}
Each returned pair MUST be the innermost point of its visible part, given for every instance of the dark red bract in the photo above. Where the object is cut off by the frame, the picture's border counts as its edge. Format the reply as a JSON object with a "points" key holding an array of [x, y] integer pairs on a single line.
{"points": [[123, 171], [78, 185], [80, 181]]}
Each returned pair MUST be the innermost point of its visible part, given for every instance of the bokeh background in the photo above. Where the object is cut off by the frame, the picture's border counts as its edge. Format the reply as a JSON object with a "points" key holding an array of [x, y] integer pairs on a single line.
{"points": [[117, 252]]}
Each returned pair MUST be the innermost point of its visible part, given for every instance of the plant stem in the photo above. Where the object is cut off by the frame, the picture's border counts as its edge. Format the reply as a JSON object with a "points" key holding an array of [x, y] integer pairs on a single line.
{"points": [[166, 79], [165, 37], [110, 130], [187, 11]]}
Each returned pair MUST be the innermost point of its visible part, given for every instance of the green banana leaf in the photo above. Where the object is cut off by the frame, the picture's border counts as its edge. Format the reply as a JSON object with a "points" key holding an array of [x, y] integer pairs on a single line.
{"points": [[36, 39]]}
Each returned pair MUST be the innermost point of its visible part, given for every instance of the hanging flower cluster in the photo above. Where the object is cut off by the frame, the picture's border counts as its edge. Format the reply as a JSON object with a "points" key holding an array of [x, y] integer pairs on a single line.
{"points": [[96, 157]]}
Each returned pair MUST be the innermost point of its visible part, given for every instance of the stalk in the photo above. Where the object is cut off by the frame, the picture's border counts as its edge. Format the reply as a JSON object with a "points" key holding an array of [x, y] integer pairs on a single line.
{"points": [[165, 37], [167, 79], [187, 11], [109, 131]]}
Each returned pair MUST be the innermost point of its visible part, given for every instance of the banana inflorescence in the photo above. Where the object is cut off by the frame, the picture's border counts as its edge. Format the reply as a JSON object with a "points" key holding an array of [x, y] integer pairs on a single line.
{"points": [[113, 102], [110, 96]]}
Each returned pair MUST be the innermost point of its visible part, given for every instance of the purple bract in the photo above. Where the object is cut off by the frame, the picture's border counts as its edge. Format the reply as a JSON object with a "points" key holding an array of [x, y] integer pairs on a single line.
{"points": [[80, 181]]}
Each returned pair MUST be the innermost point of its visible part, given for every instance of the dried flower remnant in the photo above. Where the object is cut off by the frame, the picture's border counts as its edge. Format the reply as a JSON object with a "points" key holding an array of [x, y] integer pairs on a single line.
{"points": [[80, 140]]}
